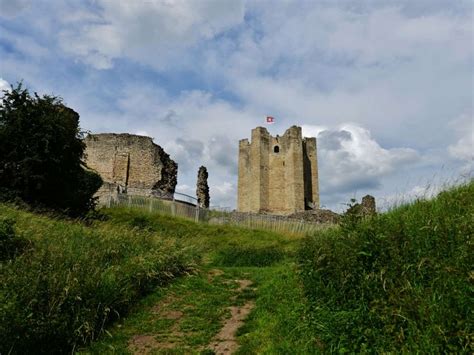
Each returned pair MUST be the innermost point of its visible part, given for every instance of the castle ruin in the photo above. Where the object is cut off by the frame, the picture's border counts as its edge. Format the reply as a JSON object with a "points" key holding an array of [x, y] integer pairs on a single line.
{"points": [[130, 164], [278, 175]]}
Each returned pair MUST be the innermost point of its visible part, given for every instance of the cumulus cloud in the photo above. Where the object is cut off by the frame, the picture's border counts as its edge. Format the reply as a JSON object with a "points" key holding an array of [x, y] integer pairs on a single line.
{"points": [[198, 76], [350, 159], [223, 153], [187, 152], [164, 29], [463, 147], [417, 192]]}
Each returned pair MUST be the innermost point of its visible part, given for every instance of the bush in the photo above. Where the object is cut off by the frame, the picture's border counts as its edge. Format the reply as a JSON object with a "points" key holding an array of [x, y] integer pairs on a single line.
{"points": [[74, 280], [41, 151], [396, 282]]}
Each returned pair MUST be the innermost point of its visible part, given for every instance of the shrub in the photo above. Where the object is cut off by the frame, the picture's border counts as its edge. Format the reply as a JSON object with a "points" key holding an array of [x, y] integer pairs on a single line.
{"points": [[399, 281], [41, 151]]}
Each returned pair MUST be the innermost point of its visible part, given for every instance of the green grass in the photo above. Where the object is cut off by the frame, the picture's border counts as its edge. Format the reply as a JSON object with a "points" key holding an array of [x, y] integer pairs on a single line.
{"points": [[75, 279], [397, 282], [202, 304], [277, 321], [72, 279], [278, 324]]}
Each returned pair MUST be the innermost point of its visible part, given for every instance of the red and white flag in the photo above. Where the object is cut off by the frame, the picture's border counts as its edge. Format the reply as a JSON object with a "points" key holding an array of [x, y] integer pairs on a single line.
{"points": [[270, 119]]}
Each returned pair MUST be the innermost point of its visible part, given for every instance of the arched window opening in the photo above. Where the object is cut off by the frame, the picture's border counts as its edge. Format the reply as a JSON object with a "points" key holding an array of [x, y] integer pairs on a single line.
{"points": [[276, 149]]}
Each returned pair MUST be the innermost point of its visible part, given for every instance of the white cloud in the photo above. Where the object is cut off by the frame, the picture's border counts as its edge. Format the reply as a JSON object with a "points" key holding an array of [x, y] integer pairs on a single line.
{"points": [[151, 32], [417, 192], [464, 148], [186, 189], [397, 68], [350, 159], [312, 130], [4, 85], [223, 194]]}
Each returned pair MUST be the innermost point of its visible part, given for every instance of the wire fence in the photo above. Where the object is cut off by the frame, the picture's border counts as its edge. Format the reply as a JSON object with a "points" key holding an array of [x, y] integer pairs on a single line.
{"points": [[190, 211]]}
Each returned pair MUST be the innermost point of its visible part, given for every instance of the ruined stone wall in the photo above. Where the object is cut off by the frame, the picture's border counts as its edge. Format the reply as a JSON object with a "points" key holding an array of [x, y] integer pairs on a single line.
{"points": [[130, 163], [202, 188], [277, 174]]}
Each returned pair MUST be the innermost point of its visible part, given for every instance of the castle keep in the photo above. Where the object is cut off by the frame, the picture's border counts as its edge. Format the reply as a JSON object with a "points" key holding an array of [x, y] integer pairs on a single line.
{"points": [[130, 164], [278, 175]]}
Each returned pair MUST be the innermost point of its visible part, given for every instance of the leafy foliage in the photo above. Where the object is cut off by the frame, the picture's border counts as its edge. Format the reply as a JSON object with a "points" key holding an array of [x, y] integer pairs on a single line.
{"points": [[396, 282], [41, 151]]}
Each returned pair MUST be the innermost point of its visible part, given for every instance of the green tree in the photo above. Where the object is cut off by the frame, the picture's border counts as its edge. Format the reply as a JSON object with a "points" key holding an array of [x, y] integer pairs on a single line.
{"points": [[41, 152]]}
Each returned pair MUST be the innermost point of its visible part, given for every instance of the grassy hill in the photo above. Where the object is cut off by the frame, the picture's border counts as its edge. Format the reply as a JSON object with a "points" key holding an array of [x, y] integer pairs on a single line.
{"points": [[72, 279], [396, 282]]}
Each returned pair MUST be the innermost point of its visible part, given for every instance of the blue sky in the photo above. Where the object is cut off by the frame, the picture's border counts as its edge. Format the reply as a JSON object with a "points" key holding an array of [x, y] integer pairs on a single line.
{"points": [[385, 86]]}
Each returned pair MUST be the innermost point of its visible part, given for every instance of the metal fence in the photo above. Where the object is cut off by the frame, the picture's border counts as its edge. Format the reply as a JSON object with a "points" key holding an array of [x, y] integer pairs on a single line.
{"points": [[187, 210]]}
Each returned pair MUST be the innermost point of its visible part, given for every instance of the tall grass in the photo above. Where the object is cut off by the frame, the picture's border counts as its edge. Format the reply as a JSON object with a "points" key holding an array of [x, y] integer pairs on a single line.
{"points": [[72, 280], [210, 240], [397, 282]]}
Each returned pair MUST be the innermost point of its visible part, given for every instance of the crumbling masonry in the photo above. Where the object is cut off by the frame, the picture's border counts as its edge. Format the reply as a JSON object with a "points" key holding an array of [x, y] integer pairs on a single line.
{"points": [[130, 164], [202, 188], [278, 175]]}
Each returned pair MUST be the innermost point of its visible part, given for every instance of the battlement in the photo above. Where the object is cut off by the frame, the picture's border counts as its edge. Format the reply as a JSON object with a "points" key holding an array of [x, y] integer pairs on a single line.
{"points": [[277, 174]]}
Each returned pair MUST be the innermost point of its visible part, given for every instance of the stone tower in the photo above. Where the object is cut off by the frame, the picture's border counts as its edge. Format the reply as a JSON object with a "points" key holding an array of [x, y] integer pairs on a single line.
{"points": [[278, 175]]}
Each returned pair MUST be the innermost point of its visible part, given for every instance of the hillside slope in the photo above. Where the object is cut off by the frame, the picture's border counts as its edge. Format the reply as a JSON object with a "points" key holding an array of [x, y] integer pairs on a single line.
{"points": [[401, 281], [70, 280]]}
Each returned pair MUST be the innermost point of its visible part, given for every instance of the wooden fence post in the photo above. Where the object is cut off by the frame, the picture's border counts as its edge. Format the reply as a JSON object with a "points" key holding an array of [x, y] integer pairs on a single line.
{"points": [[196, 217], [173, 207]]}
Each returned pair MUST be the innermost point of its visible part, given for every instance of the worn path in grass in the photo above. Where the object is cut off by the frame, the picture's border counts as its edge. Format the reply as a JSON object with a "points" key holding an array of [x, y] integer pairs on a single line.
{"points": [[221, 310], [244, 298]]}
